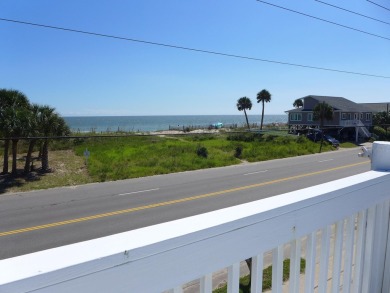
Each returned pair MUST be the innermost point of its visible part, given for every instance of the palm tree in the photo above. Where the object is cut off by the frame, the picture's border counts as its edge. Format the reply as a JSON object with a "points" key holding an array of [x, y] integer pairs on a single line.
{"points": [[298, 103], [264, 97], [14, 107], [244, 104], [322, 111], [34, 132], [20, 122], [50, 124]]}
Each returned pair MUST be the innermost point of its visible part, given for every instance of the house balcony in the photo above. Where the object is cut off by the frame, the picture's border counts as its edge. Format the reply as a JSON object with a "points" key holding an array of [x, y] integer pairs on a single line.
{"points": [[340, 228]]}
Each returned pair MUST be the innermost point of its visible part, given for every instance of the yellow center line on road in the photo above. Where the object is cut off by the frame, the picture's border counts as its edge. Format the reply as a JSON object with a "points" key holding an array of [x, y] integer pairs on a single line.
{"points": [[171, 202]]}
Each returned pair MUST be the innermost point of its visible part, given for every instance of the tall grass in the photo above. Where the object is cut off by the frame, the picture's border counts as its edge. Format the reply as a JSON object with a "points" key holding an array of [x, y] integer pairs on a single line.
{"points": [[138, 156]]}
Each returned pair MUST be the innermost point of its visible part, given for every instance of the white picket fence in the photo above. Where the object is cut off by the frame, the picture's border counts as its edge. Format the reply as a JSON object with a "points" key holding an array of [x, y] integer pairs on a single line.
{"points": [[340, 228]]}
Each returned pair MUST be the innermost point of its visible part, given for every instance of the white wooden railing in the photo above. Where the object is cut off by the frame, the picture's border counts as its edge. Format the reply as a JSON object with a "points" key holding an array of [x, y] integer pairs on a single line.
{"points": [[340, 228]]}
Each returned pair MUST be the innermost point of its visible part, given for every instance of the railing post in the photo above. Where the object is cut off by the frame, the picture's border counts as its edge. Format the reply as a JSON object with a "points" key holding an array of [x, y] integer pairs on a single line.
{"points": [[380, 157], [380, 161]]}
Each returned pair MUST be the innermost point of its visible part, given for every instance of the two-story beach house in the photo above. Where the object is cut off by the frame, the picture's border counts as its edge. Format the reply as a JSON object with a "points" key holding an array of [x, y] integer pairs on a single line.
{"points": [[350, 119]]}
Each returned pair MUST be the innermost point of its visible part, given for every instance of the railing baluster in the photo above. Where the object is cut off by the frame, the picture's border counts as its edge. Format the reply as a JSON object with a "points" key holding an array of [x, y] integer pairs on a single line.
{"points": [[310, 262], [277, 269], [233, 284], [386, 280], [257, 274], [206, 284], [349, 243], [324, 260], [295, 265], [381, 229], [337, 256], [360, 245], [369, 246]]}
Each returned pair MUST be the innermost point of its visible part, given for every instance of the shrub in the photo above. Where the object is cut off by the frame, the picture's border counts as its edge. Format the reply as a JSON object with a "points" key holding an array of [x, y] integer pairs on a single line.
{"points": [[301, 139], [380, 132], [246, 137], [201, 151], [269, 137], [238, 152]]}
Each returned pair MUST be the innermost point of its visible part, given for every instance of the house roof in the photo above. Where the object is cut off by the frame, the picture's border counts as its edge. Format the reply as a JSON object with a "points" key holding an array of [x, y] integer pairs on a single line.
{"points": [[377, 107], [342, 104], [337, 103]]}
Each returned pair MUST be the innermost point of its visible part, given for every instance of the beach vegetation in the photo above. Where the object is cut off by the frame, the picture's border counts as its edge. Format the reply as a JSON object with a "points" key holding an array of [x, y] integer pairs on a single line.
{"points": [[201, 151], [238, 152], [138, 156], [115, 158]]}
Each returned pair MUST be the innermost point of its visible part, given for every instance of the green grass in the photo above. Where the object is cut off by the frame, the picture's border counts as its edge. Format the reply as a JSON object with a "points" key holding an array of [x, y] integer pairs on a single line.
{"points": [[267, 278], [115, 158], [348, 145], [139, 156]]}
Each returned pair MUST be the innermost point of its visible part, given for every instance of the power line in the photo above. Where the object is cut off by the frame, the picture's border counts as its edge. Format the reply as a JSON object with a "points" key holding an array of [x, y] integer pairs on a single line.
{"points": [[190, 49], [350, 11], [324, 20], [378, 5]]}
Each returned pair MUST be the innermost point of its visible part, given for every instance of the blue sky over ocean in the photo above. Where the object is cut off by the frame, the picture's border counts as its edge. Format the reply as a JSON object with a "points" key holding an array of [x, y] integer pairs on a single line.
{"points": [[88, 75]]}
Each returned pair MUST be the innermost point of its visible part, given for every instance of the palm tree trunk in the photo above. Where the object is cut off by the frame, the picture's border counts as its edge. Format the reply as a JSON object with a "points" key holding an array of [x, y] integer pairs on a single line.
{"points": [[249, 264], [247, 122], [28, 157], [262, 116], [45, 156], [5, 156], [14, 156]]}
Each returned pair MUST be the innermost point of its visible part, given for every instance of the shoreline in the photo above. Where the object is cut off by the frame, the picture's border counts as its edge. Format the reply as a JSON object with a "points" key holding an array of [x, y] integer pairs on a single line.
{"points": [[188, 130]]}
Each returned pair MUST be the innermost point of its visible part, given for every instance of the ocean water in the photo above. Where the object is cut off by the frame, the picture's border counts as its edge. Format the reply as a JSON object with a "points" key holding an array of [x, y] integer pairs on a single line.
{"points": [[156, 123]]}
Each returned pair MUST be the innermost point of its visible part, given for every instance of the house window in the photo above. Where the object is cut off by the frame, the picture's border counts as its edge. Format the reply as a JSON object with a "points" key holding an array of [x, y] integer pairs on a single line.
{"points": [[368, 116], [309, 116], [296, 117], [349, 116], [355, 116], [344, 116], [361, 116]]}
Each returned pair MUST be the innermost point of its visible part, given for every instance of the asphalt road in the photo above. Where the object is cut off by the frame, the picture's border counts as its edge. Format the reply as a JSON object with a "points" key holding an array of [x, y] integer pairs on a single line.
{"points": [[38, 220]]}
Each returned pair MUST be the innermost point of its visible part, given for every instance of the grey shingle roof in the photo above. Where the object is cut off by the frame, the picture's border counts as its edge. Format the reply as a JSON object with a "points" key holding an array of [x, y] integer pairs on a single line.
{"points": [[340, 103], [377, 107]]}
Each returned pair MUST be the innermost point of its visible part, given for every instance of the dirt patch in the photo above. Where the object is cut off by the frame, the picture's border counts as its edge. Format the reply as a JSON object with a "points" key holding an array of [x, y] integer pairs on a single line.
{"points": [[66, 169]]}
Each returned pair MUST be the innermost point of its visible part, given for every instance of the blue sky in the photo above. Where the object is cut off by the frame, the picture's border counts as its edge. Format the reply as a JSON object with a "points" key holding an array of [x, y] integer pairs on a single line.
{"points": [[84, 75]]}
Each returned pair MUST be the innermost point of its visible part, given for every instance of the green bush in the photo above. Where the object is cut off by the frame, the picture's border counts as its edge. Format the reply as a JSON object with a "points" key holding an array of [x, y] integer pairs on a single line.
{"points": [[238, 152], [246, 137], [380, 132], [201, 151], [301, 139]]}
